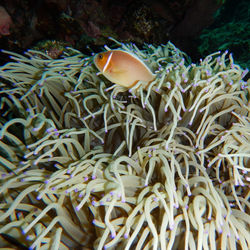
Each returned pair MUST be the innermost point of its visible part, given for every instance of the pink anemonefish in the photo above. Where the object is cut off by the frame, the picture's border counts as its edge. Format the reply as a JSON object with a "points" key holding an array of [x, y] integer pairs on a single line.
{"points": [[123, 68]]}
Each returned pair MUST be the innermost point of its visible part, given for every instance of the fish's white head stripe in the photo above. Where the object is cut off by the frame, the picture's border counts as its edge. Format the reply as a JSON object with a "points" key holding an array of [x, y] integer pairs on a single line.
{"points": [[107, 63]]}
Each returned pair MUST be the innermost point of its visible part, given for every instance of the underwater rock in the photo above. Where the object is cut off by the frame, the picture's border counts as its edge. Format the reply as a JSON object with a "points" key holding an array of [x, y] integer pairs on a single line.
{"points": [[5, 22]]}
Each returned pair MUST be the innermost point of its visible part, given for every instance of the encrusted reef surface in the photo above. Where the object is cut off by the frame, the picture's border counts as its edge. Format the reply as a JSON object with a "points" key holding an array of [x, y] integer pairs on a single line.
{"points": [[91, 22]]}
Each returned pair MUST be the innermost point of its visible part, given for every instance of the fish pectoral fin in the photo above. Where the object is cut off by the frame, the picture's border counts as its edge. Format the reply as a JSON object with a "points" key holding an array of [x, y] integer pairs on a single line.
{"points": [[117, 71]]}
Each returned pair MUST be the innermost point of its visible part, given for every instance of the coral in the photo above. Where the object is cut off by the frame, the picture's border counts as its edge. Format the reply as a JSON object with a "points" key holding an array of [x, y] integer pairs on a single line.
{"points": [[53, 49], [5, 22], [90, 23], [229, 31], [85, 163]]}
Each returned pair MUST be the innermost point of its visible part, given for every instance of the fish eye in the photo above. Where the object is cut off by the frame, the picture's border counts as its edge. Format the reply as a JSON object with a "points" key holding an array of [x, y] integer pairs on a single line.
{"points": [[100, 56]]}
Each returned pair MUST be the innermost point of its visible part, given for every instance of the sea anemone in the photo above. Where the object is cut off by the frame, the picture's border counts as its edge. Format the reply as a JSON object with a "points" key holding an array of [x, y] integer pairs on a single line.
{"points": [[87, 164]]}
